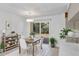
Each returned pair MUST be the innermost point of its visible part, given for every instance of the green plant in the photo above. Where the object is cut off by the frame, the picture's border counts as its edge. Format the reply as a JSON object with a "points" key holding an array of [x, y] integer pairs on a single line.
{"points": [[64, 32], [2, 46], [32, 33], [53, 42], [62, 35]]}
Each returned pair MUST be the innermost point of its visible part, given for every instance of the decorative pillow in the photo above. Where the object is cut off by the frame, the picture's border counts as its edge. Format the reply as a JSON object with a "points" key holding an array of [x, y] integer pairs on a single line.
{"points": [[70, 34]]}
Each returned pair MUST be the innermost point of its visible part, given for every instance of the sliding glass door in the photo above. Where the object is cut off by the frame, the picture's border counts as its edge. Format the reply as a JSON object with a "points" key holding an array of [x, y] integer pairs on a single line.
{"points": [[36, 28], [44, 28], [41, 28]]}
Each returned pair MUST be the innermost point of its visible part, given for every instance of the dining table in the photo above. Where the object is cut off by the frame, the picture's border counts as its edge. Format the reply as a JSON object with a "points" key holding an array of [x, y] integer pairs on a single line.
{"points": [[33, 42]]}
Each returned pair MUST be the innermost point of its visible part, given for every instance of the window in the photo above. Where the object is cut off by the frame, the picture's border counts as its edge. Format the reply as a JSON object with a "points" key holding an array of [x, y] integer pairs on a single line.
{"points": [[44, 28], [36, 28], [41, 28]]}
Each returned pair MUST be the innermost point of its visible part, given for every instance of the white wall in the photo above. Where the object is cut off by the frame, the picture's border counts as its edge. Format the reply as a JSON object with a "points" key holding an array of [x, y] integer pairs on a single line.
{"points": [[56, 24], [27, 29], [16, 23]]}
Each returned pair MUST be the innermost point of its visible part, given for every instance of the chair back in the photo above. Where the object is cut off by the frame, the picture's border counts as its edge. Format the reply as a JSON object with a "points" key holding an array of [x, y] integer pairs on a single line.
{"points": [[23, 44], [41, 41]]}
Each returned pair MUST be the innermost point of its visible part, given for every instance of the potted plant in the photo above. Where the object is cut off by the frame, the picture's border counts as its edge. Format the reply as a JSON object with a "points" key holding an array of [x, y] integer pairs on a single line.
{"points": [[32, 34], [1, 47], [53, 42], [54, 48], [64, 32]]}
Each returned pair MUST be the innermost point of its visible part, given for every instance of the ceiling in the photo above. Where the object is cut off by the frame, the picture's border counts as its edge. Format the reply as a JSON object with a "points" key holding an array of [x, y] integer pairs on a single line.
{"points": [[33, 9]]}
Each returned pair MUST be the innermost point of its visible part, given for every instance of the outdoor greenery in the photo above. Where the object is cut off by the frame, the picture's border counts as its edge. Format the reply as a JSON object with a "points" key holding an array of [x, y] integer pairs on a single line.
{"points": [[44, 28], [1, 45], [36, 28], [32, 33]]}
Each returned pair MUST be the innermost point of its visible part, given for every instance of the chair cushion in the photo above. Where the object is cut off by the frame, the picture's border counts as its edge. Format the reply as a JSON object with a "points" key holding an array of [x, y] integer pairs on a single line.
{"points": [[46, 40]]}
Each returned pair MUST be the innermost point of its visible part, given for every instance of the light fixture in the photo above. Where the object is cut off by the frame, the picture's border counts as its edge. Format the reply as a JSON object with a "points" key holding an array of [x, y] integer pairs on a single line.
{"points": [[29, 20], [66, 14]]}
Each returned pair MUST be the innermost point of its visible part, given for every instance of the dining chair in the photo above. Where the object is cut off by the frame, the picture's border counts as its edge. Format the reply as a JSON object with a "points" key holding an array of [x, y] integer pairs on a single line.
{"points": [[39, 43], [23, 45]]}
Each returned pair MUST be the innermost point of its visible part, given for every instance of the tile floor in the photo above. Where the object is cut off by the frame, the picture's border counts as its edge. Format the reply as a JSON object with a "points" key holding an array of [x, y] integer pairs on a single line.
{"points": [[65, 49], [46, 51]]}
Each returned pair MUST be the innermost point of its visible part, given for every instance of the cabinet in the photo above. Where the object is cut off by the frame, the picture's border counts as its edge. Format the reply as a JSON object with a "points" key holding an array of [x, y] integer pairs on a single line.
{"points": [[10, 42]]}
